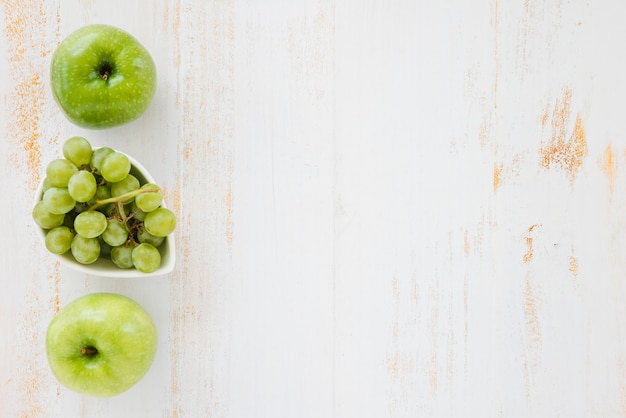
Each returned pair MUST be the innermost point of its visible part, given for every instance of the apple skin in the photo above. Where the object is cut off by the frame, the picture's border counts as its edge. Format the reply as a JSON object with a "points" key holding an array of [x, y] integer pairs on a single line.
{"points": [[89, 98], [122, 334]]}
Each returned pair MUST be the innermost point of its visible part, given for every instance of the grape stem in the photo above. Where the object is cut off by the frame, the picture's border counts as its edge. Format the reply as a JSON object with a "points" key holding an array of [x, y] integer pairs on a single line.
{"points": [[122, 197], [120, 210]]}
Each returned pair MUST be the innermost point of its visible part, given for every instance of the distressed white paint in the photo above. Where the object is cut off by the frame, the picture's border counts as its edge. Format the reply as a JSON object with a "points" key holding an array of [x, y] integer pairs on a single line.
{"points": [[376, 218]]}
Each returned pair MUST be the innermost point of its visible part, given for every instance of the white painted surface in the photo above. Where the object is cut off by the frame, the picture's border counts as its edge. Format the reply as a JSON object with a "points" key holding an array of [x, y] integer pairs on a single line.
{"points": [[386, 208]]}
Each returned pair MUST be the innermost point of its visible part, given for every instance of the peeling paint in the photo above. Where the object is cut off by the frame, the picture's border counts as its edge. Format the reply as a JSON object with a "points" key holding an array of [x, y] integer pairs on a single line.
{"points": [[528, 239], [56, 282], [566, 147], [573, 264], [24, 29], [497, 175], [608, 164], [528, 255]]}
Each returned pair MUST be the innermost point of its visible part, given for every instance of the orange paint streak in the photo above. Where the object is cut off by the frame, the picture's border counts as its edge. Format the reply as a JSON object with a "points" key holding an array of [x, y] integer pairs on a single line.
{"points": [[187, 151], [56, 281], [173, 199], [564, 151], [28, 96], [26, 69], [497, 175], [573, 265], [26, 32], [528, 255], [608, 164], [545, 118]]}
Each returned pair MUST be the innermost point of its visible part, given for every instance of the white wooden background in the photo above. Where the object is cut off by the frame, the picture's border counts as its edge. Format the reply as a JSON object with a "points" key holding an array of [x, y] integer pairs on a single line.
{"points": [[387, 208]]}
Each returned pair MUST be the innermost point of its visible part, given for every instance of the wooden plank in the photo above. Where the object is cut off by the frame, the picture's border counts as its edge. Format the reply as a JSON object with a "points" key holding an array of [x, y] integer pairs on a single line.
{"points": [[282, 305], [414, 187]]}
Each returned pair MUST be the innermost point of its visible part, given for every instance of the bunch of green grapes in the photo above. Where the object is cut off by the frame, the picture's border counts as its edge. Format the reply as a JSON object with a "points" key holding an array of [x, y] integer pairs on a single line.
{"points": [[92, 206]]}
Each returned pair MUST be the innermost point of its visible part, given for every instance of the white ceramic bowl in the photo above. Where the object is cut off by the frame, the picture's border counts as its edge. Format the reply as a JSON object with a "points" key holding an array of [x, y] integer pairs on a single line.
{"points": [[104, 267]]}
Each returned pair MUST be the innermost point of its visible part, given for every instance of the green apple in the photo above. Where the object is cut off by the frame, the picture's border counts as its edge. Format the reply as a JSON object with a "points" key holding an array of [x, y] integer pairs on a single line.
{"points": [[101, 77], [101, 344]]}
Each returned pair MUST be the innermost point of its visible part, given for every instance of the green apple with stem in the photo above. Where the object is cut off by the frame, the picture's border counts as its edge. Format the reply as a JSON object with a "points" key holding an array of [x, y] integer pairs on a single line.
{"points": [[102, 77], [101, 344]]}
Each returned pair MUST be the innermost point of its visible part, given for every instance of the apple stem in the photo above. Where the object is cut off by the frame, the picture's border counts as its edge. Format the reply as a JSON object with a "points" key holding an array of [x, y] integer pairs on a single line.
{"points": [[105, 76], [89, 351]]}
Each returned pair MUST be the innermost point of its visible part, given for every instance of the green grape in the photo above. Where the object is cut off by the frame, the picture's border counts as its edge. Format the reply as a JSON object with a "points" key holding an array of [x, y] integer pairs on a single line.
{"points": [[126, 185], [46, 184], [81, 207], [122, 256], [105, 249], [90, 223], [69, 219], [145, 236], [78, 150], [160, 222], [146, 258], [85, 250], [115, 167], [59, 171], [59, 239], [149, 201], [137, 213], [58, 200], [109, 210], [103, 191], [113, 210], [97, 157], [82, 186], [44, 218], [115, 233]]}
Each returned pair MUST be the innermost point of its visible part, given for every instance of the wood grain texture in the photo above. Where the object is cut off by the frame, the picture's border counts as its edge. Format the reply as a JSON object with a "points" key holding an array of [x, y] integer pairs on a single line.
{"points": [[386, 209]]}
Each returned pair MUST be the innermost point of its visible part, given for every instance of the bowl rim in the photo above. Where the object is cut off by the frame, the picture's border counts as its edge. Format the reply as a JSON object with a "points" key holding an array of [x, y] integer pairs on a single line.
{"points": [[101, 267]]}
